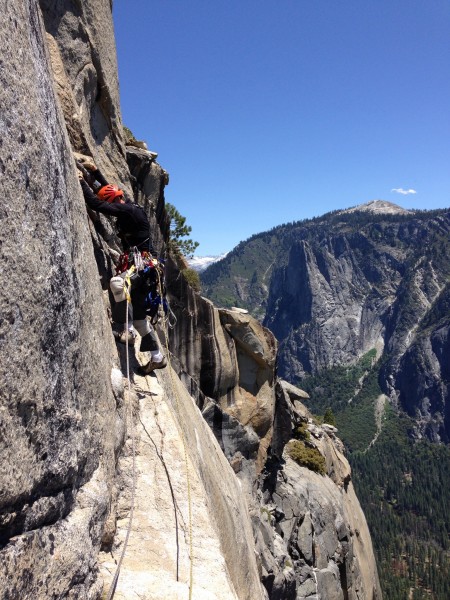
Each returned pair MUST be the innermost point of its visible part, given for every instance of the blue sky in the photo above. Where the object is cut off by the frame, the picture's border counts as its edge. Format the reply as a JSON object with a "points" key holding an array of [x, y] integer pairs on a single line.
{"points": [[269, 112]]}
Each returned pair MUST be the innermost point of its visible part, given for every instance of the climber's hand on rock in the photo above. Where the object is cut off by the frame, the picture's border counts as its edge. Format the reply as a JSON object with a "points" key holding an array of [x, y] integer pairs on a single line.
{"points": [[89, 165]]}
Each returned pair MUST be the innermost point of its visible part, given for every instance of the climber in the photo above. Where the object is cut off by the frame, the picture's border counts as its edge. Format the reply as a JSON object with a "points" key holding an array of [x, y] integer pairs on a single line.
{"points": [[134, 232]]}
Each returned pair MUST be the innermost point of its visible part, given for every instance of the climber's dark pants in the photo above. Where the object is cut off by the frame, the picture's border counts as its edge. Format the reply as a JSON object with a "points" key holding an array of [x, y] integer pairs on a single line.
{"points": [[137, 313]]}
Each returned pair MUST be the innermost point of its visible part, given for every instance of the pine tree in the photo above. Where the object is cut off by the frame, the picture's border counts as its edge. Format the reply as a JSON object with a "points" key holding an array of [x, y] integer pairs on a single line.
{"points": [[179, 242]]}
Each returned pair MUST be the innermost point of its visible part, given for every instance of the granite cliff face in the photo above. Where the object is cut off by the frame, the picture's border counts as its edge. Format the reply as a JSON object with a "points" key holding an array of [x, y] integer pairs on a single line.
{"points": [[334, 288], [198, 456], [58, 436]]}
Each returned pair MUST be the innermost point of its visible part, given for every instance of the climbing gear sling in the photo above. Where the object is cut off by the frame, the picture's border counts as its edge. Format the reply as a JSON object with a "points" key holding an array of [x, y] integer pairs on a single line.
{"points": [[152, 271]]}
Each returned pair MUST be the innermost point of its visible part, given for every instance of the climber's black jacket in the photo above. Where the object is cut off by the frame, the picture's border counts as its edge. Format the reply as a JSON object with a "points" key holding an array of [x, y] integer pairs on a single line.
{"points": [[132, 220]]}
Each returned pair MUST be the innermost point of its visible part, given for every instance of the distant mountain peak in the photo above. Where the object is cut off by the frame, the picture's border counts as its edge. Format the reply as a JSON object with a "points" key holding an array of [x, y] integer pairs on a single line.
{"points": [[200, 263], [379, 206]]}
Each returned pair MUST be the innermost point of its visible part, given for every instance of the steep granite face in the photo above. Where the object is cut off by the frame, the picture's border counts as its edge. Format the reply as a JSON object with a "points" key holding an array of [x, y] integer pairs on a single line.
{"points": [[323, 308], [80, 37], [58, 422], [418, 375], [68, 429], [311, 535]]}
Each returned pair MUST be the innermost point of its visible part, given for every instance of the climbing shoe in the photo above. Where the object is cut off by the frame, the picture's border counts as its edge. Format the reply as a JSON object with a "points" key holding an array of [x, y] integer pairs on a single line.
{"points": [[151, 366], [121, 336]]}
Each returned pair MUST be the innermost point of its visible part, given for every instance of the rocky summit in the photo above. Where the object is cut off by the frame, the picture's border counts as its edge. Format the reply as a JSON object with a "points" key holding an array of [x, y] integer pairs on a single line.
{"points": [[378, 206], [208, 480]]}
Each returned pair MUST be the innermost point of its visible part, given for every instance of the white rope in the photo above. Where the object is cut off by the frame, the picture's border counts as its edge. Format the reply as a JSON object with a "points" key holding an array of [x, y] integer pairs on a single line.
{"points": [[314, 569], [170, 313]]}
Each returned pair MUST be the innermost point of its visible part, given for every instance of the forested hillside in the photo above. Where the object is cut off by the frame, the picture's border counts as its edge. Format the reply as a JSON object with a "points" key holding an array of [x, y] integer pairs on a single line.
{"points": [[402, 482], [333, 288], [360, 303]]}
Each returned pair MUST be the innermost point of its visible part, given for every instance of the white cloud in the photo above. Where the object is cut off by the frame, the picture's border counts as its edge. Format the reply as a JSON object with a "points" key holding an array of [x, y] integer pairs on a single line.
{"points": [[404, 192]]}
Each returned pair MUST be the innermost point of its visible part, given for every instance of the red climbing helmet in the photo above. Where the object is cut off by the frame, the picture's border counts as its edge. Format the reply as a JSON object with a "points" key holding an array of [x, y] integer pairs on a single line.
{"points": [[109, 193]]}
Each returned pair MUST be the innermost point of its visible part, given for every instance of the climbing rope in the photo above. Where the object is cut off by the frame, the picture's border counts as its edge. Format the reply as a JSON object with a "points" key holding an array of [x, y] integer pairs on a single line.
{"points": [[112, 589], [166, 322], [166, 319]]}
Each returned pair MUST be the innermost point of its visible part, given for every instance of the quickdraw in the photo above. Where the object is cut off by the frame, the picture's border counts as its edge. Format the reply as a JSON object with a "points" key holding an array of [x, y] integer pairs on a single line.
{"points": [[128, 259]]}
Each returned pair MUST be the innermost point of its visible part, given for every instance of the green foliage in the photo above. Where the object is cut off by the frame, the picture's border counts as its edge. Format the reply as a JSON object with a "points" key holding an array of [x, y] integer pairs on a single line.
{"points": [[329, 417], [242, 278], [345, 396], [334, 388], [267, 514], [403, 488], [401, 484], [306, 456], [193, 278], [439, 313], [179, 240], [356, 422], [128, 134], [301, 432]]}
